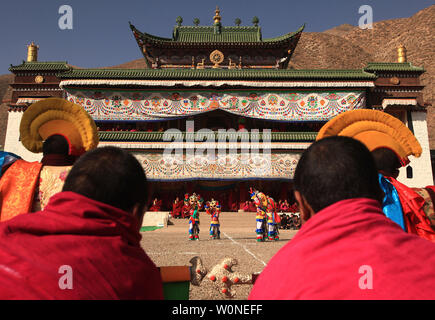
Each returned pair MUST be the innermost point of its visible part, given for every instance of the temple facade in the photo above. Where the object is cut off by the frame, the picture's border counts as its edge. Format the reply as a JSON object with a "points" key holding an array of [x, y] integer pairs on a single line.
{"points": [[219, 108]]}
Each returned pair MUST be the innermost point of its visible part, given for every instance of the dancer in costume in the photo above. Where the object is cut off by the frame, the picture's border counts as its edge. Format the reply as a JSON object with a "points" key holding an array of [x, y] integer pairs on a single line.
{"points": [[195, 203], [62, 131], [266, 215], [390, 142], [213, 208], [260, 218]]}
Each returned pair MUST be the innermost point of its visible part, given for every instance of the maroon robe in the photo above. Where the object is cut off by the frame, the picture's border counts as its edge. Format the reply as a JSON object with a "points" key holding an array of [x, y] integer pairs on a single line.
{"points": [[156, 206], [177, 208], [350, 250], [100, 243]]}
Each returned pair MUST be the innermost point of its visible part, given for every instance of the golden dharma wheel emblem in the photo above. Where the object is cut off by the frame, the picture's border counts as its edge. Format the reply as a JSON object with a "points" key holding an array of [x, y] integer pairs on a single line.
{"points": [[395, 80], [39, 79], [216, 57]]}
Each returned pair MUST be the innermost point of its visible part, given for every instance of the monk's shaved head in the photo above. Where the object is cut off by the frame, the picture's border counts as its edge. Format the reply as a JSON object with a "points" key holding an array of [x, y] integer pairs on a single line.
{"points": [[334, 169], [109, 175]]}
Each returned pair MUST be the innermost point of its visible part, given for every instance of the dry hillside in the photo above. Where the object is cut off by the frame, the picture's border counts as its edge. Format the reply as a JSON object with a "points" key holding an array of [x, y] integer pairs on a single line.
{"points": [[348, 46]]}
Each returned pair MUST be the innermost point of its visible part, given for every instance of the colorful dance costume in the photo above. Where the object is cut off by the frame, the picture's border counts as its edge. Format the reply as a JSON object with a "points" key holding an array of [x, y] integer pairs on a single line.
{"points": [[266, 214], [213, 208], [195, 202]]}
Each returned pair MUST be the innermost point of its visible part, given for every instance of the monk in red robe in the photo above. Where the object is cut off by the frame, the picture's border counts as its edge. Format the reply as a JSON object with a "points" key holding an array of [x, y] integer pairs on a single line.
{"points": [[294, 208], [185, 211], [245, 206], [156, 206], [252, 207], [347, 248], [284, 206], [177, 207], [86, 242]]}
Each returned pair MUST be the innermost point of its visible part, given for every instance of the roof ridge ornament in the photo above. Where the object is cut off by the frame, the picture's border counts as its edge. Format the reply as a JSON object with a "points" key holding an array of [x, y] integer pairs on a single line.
{"points": [[401, 54], [32, 52], [217, 17], [216, 57], [179, 20]]}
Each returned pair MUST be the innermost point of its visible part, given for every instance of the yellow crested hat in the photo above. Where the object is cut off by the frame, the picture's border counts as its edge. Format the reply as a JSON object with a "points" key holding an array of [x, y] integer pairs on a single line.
{"points": [[58, 116], [375, 129]]}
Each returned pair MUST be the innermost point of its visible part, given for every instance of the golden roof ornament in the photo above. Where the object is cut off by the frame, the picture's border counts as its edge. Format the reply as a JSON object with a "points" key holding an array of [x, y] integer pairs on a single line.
{"points": [[216, 57], [401, 54], [32, 52], [217, 17]]}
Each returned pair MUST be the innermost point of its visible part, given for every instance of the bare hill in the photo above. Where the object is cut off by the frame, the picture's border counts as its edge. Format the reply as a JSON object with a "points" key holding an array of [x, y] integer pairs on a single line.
{"points": [[348, 46]]}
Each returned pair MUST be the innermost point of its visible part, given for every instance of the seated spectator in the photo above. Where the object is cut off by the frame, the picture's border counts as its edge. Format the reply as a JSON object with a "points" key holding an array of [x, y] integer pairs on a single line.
{"points": [[85, 244], [177, 208], [156, 205], [346, 248], [296, 221], [284, 207], [294, 208], [245, 206], [252, 206]]}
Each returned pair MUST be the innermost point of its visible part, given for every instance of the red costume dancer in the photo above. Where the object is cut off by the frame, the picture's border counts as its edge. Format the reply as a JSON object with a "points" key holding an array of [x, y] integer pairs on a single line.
{"points": [[213, 208], [322, 262], [99, 243]]}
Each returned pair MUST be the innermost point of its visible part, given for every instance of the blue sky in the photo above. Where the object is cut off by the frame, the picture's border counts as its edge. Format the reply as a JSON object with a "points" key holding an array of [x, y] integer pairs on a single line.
{"points": [[101, 35]]}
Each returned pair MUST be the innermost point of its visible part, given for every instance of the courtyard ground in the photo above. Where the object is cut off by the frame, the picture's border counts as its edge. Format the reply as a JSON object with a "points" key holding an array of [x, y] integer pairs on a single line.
{"points": [[169, 246]]}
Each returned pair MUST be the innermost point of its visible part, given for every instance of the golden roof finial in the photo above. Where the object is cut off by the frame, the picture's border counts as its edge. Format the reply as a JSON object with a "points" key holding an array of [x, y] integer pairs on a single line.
{"points": [[32, 52], [217, 17], [401, 54]]}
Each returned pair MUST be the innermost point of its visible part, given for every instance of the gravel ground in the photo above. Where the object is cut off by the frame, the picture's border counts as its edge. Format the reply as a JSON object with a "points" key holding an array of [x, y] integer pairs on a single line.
{"points": [[170, 246]]}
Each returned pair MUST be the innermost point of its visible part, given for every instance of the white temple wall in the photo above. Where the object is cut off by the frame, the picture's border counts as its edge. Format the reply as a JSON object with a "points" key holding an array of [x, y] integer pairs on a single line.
{"points": [[12, 141], [421, 167]]}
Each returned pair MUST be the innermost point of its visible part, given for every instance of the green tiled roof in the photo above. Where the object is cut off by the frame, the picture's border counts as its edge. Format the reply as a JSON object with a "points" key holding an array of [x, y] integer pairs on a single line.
{"points": [[392, 66], [207, 34], [142, 136], [217, 74], [41, 66]]}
